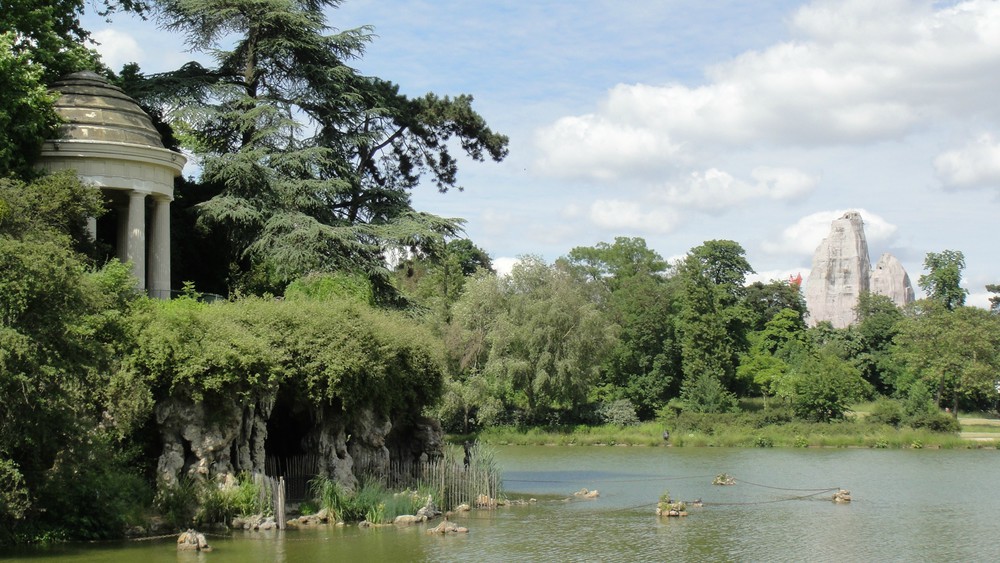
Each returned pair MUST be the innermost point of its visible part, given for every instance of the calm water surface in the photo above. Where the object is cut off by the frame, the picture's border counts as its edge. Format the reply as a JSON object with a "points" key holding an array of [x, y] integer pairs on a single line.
{"points": [[909, 505]]}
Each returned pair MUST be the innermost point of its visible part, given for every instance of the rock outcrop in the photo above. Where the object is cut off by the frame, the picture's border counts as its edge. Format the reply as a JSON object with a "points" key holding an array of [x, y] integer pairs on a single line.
{"points": [[841, 272], [889, 278], [212, 441]]}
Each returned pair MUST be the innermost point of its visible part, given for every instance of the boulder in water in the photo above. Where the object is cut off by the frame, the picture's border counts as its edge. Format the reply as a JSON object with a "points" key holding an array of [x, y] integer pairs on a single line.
{"points": [[448, 527], [842, 495], [192, 541]]}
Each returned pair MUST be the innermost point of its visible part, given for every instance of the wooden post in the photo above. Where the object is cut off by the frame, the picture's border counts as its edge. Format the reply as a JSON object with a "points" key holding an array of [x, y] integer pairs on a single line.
{"points": [[280, 508]]}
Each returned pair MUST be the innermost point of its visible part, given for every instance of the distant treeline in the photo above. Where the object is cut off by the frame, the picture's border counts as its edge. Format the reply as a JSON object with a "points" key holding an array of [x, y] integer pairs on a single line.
{"points": [[613, 333]]}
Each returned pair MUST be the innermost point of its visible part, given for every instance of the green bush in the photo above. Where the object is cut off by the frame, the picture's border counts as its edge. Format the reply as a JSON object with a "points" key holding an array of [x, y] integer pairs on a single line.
{"points": [[825, 386], [90, 494], [781, 414], [763, 442], [14, 498], [619, 412], [886, 411], [935, 421], [378, 360]]}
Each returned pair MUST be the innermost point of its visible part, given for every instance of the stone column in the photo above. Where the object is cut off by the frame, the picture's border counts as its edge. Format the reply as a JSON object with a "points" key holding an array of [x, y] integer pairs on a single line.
{"points": [[137, 236], [92, 228], [159, 248], [121, 233]]}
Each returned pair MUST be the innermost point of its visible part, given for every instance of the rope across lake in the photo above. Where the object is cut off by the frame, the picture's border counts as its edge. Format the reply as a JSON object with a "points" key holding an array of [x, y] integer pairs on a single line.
{"points": [[807, 492], [634, 480]]}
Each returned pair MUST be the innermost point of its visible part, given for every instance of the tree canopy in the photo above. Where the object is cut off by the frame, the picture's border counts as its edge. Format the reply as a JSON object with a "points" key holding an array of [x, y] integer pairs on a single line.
{"points": [[311, 162], [943, 279]]}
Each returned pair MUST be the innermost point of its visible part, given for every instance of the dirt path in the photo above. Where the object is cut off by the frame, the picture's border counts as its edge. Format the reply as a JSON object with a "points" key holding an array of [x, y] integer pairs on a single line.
{"points": [[979, 421], [979, 436]]}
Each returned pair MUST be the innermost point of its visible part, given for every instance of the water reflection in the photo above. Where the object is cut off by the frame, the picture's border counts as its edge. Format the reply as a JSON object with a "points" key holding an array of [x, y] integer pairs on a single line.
{"points": [[908, 506]]}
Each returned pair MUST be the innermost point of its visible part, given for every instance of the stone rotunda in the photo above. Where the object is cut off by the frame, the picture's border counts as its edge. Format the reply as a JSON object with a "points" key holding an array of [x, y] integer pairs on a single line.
{"points": [[112, 144]]}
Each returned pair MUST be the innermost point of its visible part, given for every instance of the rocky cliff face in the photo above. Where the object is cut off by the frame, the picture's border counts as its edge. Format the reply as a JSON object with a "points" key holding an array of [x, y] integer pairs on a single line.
{"points": [[889, 278], [840, 272], [210, 441]]}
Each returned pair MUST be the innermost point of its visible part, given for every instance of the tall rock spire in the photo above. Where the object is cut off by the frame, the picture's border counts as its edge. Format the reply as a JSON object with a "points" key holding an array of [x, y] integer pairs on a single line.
{"points": [[889, 278], [840, 273]]}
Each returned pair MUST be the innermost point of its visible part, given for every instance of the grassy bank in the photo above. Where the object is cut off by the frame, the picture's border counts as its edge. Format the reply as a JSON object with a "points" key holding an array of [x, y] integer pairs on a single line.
{"points": [[746, 432]]}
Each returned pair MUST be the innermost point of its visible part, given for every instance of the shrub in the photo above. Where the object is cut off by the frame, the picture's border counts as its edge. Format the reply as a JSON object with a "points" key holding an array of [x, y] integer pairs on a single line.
{"points": [[90, 494], [619, 412], [705, 393], [776, 415], [886, 411], [935, 421], [825, 387], [14, 498], [919, 400]]}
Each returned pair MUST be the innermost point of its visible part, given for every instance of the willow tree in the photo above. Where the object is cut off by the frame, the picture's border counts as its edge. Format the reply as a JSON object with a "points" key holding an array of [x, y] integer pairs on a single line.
{"points": [[311, 162], [534, 338]]}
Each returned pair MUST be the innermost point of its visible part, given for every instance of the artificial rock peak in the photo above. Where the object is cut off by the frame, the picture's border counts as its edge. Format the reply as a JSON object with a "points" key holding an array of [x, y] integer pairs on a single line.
{"points": [[842, 271]]}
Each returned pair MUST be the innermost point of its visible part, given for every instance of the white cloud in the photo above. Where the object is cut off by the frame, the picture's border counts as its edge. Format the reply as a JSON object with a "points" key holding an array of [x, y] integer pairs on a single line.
{"points": [[807, 233], [116, 47], [857, 72], [599, 148], [503, 265], [714, 190], [976, 165], [631, 216]]}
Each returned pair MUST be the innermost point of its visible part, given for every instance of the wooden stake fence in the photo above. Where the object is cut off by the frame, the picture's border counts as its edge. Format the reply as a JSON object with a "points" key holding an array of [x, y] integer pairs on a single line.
{"points": [[477, 485], [271, 494]]}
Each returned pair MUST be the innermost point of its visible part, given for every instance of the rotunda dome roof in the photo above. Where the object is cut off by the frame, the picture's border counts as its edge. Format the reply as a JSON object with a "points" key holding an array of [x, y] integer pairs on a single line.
{"points": [[96, 110]]}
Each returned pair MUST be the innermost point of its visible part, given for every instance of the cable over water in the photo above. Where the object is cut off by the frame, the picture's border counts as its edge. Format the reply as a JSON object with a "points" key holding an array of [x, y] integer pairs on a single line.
{"points": [[809, 492], [636, 480], [822, 490]]}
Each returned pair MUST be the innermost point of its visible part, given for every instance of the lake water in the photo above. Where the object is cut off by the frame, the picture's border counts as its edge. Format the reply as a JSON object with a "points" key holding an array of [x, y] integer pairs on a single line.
{"points": [[909, 505]]}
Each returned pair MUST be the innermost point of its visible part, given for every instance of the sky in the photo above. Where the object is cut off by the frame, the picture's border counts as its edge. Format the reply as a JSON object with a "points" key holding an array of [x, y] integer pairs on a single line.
{"points": [[681, 121]]}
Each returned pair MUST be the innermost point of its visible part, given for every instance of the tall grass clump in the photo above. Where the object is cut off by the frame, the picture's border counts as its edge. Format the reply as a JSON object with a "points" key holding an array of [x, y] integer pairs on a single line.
{"points": [[331, 496], [478, 484], [222, 503], [371, 501], [177, 503]]}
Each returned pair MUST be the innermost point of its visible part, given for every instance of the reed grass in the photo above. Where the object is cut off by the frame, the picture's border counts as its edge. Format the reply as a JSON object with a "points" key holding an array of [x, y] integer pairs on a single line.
{"points": [[445, 482]]}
